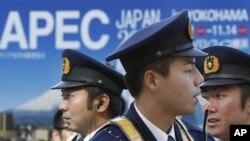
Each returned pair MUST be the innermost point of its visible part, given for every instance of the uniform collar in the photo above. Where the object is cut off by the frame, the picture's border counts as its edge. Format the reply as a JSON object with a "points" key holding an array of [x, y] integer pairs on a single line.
{"points": [[89, 136], [157, 132], [132, 115]]}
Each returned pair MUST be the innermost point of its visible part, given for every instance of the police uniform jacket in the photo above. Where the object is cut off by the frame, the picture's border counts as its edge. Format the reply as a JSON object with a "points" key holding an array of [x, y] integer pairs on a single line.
{"points": [[112, 132]]}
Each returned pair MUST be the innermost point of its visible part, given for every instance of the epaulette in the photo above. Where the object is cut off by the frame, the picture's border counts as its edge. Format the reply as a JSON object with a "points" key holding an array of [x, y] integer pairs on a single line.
{"points": [[127, 128], [184, 132]]}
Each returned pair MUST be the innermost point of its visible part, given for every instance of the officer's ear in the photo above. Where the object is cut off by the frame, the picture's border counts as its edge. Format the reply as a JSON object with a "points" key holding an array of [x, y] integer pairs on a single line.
{"points": [[151, 79], [248, 105], [102, 102]]}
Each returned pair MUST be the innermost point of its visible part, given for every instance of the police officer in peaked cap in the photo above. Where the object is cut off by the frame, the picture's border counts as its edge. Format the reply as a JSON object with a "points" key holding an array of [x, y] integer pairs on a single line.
{"points": [[159, 61], [226, 72], [91, 93]]}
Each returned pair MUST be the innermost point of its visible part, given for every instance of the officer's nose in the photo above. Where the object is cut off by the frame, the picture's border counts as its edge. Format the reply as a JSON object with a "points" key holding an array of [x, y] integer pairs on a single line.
{"points": [[199, 79], [63, 105], [212, 105]]}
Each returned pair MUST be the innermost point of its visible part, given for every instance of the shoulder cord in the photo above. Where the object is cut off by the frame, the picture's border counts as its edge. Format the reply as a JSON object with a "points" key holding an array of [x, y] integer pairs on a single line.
{"points": [[184, 133], [128, 128]]}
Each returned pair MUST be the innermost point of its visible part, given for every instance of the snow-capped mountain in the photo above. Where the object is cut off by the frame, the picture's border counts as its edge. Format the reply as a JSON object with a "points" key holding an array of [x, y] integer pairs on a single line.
{"points": [[38, 111], [42, 109], [45, 102]]}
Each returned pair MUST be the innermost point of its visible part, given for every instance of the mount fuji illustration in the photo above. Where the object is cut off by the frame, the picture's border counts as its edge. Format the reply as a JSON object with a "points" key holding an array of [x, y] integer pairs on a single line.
{"points": [[38, 111]]}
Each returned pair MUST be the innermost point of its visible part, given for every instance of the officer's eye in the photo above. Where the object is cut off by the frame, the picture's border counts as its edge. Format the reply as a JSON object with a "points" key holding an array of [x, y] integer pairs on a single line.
{"points": [[205, 97], [189, 71], [219, 95], [65, 96], [70, 95]]}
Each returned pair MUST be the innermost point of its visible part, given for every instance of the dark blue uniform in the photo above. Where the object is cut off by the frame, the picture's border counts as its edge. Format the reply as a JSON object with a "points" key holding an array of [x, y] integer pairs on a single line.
{"points": [[196, 132], [170, 37], [82, 71], [112, 132]]}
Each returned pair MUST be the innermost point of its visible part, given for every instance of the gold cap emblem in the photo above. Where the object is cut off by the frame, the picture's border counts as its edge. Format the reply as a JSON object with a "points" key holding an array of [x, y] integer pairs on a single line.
{"points": [[211, 64], [65, 66], [190, 31]]}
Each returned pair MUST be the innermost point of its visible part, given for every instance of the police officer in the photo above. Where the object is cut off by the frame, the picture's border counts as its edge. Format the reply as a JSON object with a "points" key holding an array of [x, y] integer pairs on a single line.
{"points": [[159, 61], [227, 88], [91, 93], [60, 130]]}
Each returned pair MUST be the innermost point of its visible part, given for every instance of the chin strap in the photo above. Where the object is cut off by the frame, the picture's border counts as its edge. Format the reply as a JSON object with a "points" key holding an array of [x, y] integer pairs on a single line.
{"points": [[204, 125]]}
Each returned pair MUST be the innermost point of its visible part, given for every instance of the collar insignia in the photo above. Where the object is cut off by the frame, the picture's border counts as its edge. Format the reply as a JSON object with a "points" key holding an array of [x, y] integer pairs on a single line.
{"points": [[211, 64]]}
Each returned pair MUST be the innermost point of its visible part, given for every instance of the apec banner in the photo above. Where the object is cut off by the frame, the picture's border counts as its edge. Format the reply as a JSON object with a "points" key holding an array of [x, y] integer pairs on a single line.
{"points": [[34, 33]]}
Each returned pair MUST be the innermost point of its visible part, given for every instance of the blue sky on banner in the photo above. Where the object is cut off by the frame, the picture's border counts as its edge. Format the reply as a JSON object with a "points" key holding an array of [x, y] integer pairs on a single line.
{"points": [[34, 33]]}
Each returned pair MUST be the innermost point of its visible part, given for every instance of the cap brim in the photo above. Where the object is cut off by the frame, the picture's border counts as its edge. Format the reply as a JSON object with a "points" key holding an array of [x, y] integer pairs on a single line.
{"points": [[191, 53], [220, 82], [67, 84]]}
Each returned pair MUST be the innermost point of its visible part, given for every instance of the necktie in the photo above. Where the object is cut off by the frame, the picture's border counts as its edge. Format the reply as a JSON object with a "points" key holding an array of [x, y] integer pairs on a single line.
{"points": [[170, 138]]}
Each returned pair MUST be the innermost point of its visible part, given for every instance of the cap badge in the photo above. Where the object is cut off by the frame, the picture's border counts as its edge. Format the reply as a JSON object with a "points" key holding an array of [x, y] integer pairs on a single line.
{"points": [[65, 66], [190, 31], [211, 64]]}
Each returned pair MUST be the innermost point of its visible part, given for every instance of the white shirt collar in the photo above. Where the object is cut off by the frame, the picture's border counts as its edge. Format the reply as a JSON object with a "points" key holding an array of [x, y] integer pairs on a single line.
{"points": [[79, 136], [89, 136], [72, 136], [158, 133]]}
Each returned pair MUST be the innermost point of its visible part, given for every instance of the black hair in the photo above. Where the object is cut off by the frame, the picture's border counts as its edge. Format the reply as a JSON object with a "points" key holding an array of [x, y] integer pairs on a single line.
{"points": [[115, 106], [134, 79], [58, 122]]}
